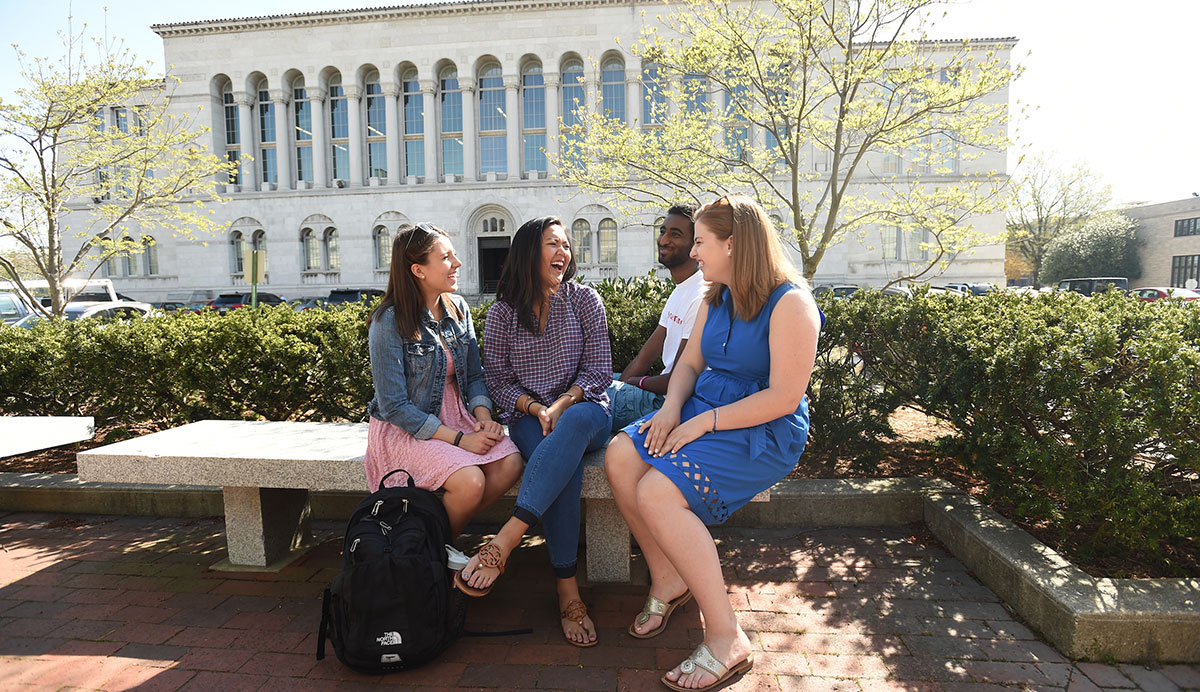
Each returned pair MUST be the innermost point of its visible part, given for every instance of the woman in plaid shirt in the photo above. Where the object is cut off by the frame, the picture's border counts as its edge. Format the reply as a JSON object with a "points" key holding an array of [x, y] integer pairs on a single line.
{"points": [[547, 365]]}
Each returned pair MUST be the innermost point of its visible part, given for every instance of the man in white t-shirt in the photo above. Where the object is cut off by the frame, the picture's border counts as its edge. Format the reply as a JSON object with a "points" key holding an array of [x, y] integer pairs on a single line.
{"points": [[634, 393]]}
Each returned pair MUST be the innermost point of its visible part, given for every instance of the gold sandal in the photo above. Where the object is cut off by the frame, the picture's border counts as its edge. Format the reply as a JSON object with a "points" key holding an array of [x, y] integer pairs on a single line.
{"points": [[655, 606], [703, 658], [576, 611], [489, 557]]}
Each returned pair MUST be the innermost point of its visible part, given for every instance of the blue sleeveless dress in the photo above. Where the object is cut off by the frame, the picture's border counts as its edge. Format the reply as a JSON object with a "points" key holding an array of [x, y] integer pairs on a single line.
{"points": [[719, 472]]}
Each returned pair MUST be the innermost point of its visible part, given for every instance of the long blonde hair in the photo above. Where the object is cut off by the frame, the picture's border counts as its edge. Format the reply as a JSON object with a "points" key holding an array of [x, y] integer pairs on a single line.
{"points": [[759, 262]]}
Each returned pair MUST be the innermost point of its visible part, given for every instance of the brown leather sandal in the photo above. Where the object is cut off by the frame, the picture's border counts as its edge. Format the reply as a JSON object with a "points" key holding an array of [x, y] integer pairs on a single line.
{"points": [[489, 557], [576, 611]]}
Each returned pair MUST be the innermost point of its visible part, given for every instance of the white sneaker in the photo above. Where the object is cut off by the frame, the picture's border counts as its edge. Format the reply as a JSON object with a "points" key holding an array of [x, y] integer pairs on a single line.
{"points": [[455, 559]]}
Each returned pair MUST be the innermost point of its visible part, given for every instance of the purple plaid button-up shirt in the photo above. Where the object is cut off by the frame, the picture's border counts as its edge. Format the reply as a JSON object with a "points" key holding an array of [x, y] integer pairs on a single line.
{"points": [[573, 350]]}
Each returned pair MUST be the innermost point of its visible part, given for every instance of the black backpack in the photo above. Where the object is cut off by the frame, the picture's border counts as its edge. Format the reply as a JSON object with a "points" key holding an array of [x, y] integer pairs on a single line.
{"points": [[393, 606]]}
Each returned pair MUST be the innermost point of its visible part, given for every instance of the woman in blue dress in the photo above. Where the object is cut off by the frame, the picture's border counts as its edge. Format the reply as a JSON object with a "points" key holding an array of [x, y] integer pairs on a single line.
{"points": [[734, 423]]}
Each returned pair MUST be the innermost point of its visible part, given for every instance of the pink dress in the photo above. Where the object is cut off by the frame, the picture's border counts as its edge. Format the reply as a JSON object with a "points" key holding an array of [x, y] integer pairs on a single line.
{"points": [[429, 461]]}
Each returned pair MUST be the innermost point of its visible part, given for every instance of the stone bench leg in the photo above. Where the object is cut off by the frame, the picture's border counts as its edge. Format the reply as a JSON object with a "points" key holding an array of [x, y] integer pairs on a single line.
{"points": [[608, 545], [264, 525]]}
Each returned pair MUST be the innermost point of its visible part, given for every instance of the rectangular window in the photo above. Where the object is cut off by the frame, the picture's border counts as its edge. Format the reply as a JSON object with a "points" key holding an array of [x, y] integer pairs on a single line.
{"points": [[376, 115], [492, 154], [303, 120], [695, 91], [891, 164], [414, 109], [533, 98], [414, 157], [304, 164], [913, 241], [268, 166], [1187, 227], [377, 159], [612, 94], [233, 157], [266, 119], [452, 111], [341, 161], [491, 110], [535, 157], [452, 156], [1184, 267], [121, 119], [231, 120], [891, 242], [339, 123]]}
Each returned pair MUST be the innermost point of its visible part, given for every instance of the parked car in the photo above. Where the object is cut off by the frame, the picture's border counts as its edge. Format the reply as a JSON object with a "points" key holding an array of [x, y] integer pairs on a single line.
{"points": [[13, 308], [349, 295], [231, 301], [971, 289], [93, 309], [308, 304], [835, 290], [1094, 284], [1151, 293]]}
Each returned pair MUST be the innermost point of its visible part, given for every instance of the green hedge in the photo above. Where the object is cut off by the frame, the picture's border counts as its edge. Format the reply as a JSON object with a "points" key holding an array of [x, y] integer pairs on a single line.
{"points": [[1078, 412]]}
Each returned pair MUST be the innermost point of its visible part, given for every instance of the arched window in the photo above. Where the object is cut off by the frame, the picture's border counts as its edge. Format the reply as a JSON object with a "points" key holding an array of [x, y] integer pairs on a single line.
{"points": [[493, 224], [654, 95], [612, 89], [533, 121], [574, 100], [452, 127], [332, 256], [339, 129], [303, 112], [150, 255], [237, 252], [608, 241], [383, 248], [376, 128], [232, 131], [310, 252], [112, 266], [581, 232], [414, 125], [493, 121], [258, 242], [268, 166]]}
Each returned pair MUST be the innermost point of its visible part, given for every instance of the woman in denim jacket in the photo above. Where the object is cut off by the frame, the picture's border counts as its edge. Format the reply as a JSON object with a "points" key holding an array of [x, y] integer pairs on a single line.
{"points": [[425, 363]]}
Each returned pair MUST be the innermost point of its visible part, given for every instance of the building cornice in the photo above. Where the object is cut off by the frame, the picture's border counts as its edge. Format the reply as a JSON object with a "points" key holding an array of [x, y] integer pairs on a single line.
{"points": [[364, 15]]}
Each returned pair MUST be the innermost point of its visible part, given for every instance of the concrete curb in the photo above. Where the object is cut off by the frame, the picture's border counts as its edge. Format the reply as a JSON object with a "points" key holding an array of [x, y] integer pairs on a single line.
{"points": [[1082, 616]]}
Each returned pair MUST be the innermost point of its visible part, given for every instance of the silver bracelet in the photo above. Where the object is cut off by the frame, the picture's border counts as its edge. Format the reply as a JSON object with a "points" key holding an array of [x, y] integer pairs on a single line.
{"points": [[714, 427]]}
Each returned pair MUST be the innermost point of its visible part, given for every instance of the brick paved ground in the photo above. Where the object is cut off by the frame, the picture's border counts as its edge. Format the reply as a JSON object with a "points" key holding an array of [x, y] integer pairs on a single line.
{"points": [[109, 603]]}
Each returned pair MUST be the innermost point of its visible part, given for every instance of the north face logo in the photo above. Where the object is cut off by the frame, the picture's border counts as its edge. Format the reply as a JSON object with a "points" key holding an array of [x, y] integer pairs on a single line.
{"points": [[389, 639]]}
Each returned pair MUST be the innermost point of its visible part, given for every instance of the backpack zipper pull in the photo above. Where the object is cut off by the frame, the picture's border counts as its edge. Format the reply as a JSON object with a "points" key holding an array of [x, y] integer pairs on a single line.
{"points": [[354, 544], [378, 504], [385, 527]]}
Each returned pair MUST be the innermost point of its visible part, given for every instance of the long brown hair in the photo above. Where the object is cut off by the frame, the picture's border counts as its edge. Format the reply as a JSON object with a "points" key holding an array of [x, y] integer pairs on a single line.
{"points": [[411, 246], [759, 262]]}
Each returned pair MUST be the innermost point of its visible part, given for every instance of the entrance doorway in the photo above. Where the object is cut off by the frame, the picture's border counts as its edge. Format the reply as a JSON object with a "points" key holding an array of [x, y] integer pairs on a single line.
{"points": [[492, 253]]}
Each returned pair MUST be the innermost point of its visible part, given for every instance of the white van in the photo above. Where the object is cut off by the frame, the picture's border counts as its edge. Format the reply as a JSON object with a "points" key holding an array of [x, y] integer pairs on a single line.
{"points": [[88, 289]]}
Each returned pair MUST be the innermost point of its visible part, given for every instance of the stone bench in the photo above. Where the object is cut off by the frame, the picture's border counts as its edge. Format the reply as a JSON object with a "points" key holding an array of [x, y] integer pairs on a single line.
{"points": [[266, 470], [21, 434]]}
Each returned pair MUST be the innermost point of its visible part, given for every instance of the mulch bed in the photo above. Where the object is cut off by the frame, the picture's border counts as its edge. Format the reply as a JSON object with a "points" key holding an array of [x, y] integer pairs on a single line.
{"points": [[910, 455]]}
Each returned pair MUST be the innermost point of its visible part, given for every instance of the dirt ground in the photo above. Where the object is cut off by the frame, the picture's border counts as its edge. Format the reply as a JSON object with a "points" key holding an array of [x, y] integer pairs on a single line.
{"points": [[910, 455]]}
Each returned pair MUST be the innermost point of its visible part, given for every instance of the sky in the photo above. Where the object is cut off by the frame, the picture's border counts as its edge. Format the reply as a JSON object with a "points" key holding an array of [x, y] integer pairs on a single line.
{"points": [[1109, 84]]}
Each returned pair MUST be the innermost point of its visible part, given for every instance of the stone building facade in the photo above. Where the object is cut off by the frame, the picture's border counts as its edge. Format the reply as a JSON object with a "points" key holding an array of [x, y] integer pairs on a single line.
{"points": [[361, 121], [1170, 243]]}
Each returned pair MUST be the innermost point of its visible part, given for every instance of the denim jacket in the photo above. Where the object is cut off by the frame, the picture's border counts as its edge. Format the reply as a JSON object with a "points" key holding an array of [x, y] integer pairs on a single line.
{"points": [[410, 374]]}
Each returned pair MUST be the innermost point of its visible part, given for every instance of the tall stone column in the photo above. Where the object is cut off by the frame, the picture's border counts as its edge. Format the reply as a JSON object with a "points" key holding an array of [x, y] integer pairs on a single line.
{"points": [[716, 112], [320, 137], [249, 169], [357, 141], [394, 135], [284, 151], [432, 136], [634, 100], [470, 133], [592, 88], [512, 119], [552, 102]]}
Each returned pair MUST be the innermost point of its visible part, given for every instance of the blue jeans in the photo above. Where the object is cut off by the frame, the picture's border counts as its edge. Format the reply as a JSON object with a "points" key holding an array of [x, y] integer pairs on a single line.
{"points": [[554, 476], [630, 402]]}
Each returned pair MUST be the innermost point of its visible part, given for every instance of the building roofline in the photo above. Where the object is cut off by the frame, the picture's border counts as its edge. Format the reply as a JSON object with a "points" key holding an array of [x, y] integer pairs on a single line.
{"points": [[418, 9]]}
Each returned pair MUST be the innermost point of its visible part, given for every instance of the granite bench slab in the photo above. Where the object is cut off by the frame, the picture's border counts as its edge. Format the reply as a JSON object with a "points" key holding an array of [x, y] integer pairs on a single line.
{"points": [[21, 434], [266, 470]]}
